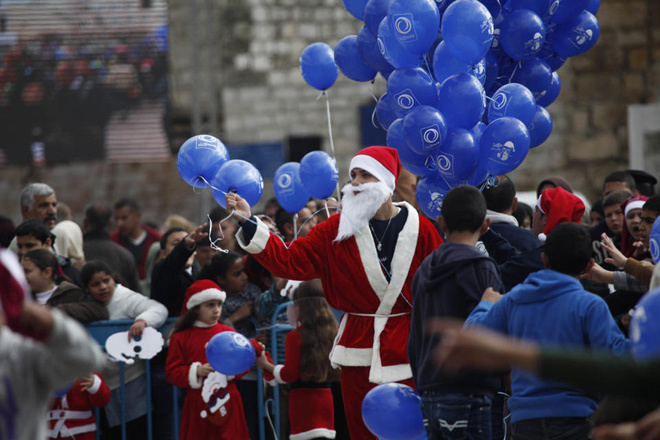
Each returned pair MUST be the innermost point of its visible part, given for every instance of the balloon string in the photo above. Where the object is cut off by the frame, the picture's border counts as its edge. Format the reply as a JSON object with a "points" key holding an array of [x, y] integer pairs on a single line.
{"points": [[327, 211], [514, 70], [371, 90], [207, 183], [373, 113], [332, 144], [295, 222], [221, 235]]}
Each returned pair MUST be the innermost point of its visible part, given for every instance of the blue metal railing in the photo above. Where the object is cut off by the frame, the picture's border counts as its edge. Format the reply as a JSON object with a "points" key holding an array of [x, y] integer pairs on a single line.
{"points": [[100, 331], [278, 332]]}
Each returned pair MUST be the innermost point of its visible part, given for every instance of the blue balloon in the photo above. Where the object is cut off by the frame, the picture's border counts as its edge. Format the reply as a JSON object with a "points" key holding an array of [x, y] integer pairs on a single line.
{"points": [[513, 100], [540, 128], [645, 326], [288, 187], [504, 145], [492, 69], [393, 411], [63, 391], [458, 157], [230, 353], [391, 49], [409, 88], [367, 44], [386, 111], [477, 131], [199, 158], [446, 64], [577, 36], [535, 74], [355, 7], [551, 93], [415, 24], [593, 7], [462, 101], [317, 64], [425, 129], [319, 174], [522, 34], [374, 13], [478, 178], [654, 241], [430, 193], [350, 62], [237, 176], [539, 7], [563, 11], [415, 163], [467, 28], [479, 71]]}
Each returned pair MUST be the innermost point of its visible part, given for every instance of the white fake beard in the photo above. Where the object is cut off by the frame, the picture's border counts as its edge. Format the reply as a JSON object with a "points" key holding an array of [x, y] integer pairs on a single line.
{"points": [[359, 205]]}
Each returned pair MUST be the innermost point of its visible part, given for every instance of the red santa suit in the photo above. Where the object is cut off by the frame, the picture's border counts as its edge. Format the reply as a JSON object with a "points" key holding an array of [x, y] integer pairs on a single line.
{"points": [[311, 409], [71, 415], [213, 407], [373, 332]]}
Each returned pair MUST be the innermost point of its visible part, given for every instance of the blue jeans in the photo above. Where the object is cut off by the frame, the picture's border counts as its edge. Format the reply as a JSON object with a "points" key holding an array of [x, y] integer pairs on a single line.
{"points": [[552, 428], [456, 416]]}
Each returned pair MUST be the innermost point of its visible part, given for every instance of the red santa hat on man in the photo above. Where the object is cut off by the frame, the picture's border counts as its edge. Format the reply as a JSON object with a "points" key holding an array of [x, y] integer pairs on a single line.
{"points": [[559, 206], [201, 291], [382, 162]]}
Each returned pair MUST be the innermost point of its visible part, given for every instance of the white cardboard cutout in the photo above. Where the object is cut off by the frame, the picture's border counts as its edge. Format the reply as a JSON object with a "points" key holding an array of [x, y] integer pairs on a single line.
{"points": [[121, 350]]}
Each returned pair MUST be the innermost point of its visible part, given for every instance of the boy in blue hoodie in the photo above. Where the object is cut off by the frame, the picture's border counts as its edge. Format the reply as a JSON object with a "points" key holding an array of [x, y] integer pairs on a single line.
{"points": [[450, 283], [552, 307]]}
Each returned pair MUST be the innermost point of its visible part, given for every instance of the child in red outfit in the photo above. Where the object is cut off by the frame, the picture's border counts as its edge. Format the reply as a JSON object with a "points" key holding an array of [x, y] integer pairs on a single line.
{"points": [[307, 366], [71, 415], [213, 407]]}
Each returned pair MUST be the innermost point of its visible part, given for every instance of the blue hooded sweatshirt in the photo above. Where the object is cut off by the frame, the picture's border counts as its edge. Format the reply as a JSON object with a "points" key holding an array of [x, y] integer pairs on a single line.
{"points": [[555, 310]]}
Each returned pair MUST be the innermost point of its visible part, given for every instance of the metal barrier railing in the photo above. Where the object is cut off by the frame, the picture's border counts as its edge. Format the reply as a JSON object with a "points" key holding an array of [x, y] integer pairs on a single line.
{"points": [[100, 331], [278, 332]]}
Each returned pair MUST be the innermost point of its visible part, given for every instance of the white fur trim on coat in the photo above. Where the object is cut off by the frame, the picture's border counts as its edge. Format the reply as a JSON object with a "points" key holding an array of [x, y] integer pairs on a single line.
{"points": [[314, 433], [277, 374], [194, 380], [95, 385], [388, 293], [258, 242]]}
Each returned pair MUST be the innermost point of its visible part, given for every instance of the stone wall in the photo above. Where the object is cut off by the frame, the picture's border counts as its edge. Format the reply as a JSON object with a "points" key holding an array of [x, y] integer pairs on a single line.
{"points": [[263, 98]]}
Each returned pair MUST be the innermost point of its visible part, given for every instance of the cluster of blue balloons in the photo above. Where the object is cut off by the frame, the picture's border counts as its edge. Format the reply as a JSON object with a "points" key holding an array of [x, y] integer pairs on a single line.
{"points": [[316, 175], [203, 162], [230, 353], [467, 80], [392, 411]]}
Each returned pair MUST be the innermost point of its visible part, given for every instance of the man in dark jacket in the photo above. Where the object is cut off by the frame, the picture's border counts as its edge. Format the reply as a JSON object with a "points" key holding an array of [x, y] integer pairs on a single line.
{"points": [[450, 283], [98, 246], [501, 201]]}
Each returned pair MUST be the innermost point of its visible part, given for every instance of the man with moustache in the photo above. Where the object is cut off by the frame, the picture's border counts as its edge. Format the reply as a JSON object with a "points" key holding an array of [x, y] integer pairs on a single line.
{"points": [[366, 258], [38, 200]]}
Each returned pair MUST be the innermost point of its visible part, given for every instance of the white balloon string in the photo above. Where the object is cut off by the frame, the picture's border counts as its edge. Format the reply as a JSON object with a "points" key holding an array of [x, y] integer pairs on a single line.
{"points": [[373, 118], [221, 236], [332, 144], [208, 183], [295, 229], [327, 211], [371, 89], [514, 70]]}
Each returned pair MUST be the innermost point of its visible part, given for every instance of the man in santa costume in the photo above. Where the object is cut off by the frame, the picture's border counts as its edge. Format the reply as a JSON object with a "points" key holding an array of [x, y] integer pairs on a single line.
{"points": [[366, 258]]}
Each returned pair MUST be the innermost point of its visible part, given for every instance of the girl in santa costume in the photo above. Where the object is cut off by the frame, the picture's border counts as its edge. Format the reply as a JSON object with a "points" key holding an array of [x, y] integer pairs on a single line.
{"points": [[213, 407], [307, 366], [71, 415]]}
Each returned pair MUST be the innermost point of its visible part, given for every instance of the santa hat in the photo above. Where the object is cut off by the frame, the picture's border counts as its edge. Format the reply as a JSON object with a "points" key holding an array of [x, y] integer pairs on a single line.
{"points": [[382, 162], [633, 203], [201, 291], [627, 246], [559, 206]]}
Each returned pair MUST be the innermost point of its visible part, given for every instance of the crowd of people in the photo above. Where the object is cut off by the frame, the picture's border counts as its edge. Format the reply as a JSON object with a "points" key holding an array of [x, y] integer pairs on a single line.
{"points": [[558, 280]]}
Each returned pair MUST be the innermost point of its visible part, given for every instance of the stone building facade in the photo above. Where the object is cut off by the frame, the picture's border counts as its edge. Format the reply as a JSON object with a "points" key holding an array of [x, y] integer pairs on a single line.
{"points": [[262, 98]]}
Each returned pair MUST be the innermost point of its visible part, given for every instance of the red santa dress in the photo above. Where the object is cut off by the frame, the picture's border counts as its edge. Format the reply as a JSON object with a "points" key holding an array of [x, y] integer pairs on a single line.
{"points": [[373, 332], [213, 407], [71, 415], [311, 409]]}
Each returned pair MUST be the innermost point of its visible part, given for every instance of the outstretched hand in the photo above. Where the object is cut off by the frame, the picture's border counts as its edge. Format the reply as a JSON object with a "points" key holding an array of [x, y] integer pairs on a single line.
{"points": [[617, 258], [238, 205], [196, 235]]}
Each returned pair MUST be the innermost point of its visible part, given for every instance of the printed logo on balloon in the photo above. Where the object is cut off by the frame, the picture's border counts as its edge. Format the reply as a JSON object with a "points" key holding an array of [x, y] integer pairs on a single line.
{"points": [[431, 136], [404, 27], [405, 99], [444, 164], [583, 36], [284, 181], [504, 150], [654, 248]]}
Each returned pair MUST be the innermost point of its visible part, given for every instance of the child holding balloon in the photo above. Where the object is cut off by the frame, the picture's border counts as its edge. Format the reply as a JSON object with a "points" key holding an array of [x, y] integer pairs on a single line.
{"points": [[213, 407], [307, 367]]}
